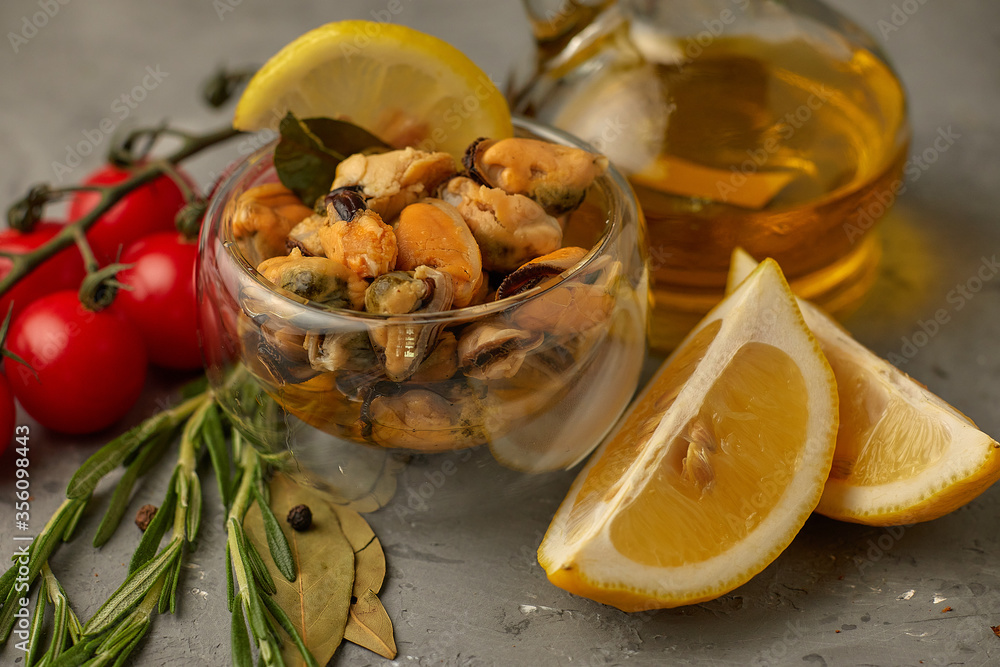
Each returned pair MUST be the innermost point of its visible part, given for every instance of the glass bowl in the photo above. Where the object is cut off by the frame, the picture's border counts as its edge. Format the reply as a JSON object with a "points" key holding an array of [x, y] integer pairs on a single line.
{"points": [[544, 408]]}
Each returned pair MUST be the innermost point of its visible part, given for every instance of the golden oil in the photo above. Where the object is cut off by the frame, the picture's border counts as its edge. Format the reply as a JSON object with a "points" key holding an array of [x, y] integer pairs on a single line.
{"points": [[772, 132], [779, 148]]}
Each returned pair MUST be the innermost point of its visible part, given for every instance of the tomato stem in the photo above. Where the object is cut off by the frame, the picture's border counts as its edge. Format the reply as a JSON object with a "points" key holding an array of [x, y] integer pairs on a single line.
{"points": [[25, 212]]}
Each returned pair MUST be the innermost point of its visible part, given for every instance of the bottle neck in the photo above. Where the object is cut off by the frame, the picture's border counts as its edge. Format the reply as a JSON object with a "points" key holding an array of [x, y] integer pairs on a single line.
{"points": [[688, 16], [555, 22]]}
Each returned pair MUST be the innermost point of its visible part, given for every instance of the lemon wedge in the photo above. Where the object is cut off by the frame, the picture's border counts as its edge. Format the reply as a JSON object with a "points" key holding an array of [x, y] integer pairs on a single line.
{"points": [[714, 468], [903, 454], [404, 86]]}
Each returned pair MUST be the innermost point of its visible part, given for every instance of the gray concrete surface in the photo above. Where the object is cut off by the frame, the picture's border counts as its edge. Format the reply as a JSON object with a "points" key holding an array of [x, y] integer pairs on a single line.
{"points": [[463, 585]]}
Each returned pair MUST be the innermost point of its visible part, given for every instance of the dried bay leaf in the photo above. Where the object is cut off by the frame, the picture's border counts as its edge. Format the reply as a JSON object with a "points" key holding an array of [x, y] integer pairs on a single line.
{"points": [[318, 601], [310, 149], [369, 626], [369, 558]]}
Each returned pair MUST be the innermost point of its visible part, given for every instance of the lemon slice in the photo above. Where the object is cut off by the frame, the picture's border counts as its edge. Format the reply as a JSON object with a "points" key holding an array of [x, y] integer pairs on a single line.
{"points": [[713, 470], [903, 454], [404, 86]]}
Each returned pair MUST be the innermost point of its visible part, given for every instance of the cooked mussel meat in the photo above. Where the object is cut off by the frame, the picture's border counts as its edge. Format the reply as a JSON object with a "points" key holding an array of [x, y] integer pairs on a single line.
{"points": [[351, 351], [318, 279], [539, 270], [403, 346], [262, 218], [433, 233], [434, 417], [356, 236], [510, 229], [490, 350], [555, 176], [392, 180]]}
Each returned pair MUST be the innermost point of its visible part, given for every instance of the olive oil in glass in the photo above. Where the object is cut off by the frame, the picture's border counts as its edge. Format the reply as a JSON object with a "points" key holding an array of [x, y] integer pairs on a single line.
{"points": [[772, 126]]}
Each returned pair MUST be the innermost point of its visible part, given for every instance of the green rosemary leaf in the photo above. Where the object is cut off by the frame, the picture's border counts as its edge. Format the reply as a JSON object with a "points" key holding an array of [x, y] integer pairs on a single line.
{"points": [[156, 529], [194, 507], [79, 654], [127, 650], [276, 541], [174, 582], [270, 652], [111, 455], [259, 570], [230, 585], [123, 634], [75, 627], [74, 520], [38, 554], [286, 623], [132, 589], [7, 581], [60, 623], [240, 641], [123, 491], [234, 483], [215, 441], [35, 631], [255, 614], [163, 601]]}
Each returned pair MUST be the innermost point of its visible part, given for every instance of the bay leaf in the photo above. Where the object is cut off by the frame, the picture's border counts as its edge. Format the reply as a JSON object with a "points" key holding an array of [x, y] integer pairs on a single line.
{"points": [[318, 601], [369, 558], [310, 149], [369, 626]]}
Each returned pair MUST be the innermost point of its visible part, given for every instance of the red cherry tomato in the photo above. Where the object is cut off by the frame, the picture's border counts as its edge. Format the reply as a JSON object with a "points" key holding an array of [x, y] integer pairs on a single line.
{"points": [[147, 209], [63, 271], [7, 414], [161, 301], [91, 366]]}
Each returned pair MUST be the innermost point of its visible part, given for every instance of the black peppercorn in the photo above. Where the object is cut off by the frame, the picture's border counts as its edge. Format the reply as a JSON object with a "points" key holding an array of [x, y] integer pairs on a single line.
{"points": [[144, 516], [300, 518]]}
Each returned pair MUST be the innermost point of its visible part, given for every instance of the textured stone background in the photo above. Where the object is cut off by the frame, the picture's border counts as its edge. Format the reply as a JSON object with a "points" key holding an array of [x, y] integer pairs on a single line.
{"points": [[463, 586]]}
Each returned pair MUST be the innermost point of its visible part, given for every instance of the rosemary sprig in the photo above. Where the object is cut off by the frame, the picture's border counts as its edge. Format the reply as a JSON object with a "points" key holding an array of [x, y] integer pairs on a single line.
{"points": [[144, 444], [114, 631], [164, 567], [252, 604]]}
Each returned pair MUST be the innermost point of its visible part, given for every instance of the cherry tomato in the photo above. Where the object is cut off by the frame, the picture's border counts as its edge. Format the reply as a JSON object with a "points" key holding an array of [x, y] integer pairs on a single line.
{"points": [[7, 414], [161, 301], [63, 271], [91, 366], [147, 209]]}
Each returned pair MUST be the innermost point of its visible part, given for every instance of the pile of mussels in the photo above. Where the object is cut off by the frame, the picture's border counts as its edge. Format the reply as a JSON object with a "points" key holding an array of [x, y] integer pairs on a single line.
{"points": [[407, 233]]}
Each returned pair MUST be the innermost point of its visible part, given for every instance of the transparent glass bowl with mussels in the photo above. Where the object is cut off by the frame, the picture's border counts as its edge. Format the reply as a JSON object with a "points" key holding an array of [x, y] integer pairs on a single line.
{"points": [[538, 372]]}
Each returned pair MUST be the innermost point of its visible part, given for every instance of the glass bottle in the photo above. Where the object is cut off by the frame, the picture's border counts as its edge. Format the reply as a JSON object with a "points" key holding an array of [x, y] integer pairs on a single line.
{"points": [[774, 125]]}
